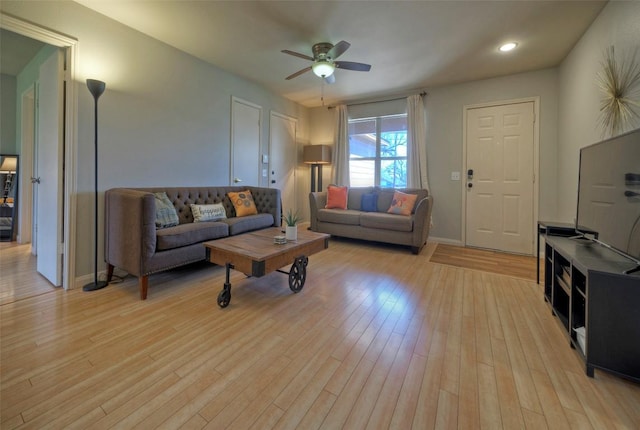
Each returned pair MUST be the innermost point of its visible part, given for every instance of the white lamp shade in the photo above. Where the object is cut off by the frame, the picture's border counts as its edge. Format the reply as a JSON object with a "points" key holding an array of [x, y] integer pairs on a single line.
{"points": [[323, 68]]}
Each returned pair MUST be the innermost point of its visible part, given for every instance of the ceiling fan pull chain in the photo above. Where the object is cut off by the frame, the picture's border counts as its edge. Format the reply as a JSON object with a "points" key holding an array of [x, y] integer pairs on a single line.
{"points": [[322, 92]]}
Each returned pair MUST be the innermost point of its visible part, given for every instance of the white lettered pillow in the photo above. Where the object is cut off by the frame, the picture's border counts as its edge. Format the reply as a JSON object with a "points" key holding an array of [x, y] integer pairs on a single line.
{"points": [[208, 212]]}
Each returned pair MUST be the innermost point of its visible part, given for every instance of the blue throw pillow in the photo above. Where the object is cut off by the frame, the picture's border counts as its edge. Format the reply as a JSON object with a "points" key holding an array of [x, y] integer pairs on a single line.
{"points": [[369, 202]]}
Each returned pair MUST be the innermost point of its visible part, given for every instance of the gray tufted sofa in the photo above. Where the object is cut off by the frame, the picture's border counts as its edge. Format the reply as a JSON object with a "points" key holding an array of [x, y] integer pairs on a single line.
{"points": [[133, 244]]}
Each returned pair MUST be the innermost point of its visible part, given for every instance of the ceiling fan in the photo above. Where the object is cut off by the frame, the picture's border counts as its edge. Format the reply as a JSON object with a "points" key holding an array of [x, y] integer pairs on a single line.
{"points": [[324, 61]]}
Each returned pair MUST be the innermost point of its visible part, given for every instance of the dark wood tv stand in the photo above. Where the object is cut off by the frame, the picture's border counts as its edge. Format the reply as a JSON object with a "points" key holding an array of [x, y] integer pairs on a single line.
{"points": [[585, 285]]}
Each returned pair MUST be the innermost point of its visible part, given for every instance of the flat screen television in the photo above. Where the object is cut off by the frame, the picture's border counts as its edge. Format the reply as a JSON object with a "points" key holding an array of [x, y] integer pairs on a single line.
{"points": [[609, 194]]}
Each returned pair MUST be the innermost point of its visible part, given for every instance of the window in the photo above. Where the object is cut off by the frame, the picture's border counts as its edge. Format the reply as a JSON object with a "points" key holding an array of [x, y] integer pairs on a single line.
{"points": [[378, 151]]}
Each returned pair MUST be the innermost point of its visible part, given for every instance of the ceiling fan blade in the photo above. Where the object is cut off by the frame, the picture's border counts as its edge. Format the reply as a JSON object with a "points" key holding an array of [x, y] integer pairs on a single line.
{"points": [[298, 73], [330, 79], [338, 49], [297, 54], [350, 65]]}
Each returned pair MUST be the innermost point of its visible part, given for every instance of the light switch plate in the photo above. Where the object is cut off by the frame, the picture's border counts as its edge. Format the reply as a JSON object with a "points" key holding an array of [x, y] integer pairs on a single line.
{"points": [[455, 176]]}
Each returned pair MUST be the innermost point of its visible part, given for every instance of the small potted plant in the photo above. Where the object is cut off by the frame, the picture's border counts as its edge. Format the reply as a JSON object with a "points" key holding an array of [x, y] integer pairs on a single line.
{"points": [[291, 220]]}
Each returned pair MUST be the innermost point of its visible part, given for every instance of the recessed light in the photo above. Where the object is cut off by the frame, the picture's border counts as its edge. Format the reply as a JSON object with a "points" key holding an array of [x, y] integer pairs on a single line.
{"points": [[508, 47]]}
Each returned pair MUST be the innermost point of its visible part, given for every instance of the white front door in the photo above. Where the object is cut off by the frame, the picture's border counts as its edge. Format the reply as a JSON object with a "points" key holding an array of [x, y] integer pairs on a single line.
{"points": [[283, 158], [245, 143], [500, 177], [49, 219]]}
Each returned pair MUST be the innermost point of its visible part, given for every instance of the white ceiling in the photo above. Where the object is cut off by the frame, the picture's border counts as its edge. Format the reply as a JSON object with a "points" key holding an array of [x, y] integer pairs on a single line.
{"points": [[411, 45]]}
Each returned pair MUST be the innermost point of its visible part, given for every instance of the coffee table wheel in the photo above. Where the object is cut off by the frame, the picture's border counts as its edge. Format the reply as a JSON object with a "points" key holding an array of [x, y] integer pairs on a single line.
{"points": [[298, 274], [224, 297]]}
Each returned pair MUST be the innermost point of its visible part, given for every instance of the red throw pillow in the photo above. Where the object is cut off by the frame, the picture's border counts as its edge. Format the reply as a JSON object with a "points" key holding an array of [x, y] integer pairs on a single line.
{"points": [[336, 197]]}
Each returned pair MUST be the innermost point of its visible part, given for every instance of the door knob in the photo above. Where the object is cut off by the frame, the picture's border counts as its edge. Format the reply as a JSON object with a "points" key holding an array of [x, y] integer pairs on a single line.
{"points": [[236, 180], [35, 180], [470, 185]]}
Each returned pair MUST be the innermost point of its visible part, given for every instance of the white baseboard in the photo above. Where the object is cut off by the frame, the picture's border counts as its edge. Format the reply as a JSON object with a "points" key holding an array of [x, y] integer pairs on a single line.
{"points": [[445, 241]]}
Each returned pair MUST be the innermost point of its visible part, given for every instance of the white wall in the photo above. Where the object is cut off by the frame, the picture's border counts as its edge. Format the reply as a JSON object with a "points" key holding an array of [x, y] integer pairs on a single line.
{"points": [[164, 118], [579, 96]]}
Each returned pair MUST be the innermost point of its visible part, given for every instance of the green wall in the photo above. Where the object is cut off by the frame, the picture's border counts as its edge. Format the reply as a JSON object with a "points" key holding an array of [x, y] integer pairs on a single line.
{"points": [[7, 114]]}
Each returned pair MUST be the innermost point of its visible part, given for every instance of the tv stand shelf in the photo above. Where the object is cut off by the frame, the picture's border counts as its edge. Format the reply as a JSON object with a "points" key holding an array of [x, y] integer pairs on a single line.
{"points": [[597, 304]]}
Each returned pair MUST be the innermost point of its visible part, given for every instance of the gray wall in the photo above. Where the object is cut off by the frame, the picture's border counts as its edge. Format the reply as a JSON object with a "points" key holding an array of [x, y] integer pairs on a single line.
{"points": [[8, 114], [617, 25], [164, 118], [445, 108]]}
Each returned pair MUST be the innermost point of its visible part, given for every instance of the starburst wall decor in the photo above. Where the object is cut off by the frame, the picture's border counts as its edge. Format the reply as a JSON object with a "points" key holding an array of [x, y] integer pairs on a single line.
{"points": [[619, 81]]}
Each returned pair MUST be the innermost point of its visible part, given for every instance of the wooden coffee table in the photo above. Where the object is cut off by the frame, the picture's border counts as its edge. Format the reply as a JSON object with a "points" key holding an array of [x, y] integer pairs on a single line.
{"points": [[255, 254]]}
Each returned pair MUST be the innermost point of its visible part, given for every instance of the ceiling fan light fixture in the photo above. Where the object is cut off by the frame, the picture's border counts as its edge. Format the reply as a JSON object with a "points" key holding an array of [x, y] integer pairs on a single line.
{"points": [[508, 47], [323, 68]]}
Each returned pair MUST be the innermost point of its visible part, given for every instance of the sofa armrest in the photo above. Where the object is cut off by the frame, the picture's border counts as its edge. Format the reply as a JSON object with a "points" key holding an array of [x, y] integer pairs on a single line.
{"points": [[317, 201], [422, 222], [268, 201], [130, 230]]}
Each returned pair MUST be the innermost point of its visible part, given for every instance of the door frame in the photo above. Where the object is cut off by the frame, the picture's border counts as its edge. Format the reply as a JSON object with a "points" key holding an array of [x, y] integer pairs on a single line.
{"points": [[27, 145], [70, 48], [536, 159]]}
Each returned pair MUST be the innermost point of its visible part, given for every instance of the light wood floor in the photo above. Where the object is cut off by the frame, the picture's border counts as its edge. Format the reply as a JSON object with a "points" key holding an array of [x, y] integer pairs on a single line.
{"points": [[378, 338], [19, 279], [520, 266]]}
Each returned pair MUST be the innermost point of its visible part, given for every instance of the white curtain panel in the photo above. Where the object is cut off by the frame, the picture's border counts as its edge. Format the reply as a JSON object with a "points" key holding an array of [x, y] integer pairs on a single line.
{"points": [[416, 143], [341, 149]]}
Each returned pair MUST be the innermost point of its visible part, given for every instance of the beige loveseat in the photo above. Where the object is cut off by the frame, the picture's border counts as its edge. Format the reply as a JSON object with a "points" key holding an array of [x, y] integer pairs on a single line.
{"points": [[379, 226], [134, 244]]}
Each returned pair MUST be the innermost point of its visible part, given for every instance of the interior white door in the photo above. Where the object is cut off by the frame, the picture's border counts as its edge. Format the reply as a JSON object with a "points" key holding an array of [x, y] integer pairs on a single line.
{"points": [[49, 219], [245, 143], [500, 177], [283, 158]]}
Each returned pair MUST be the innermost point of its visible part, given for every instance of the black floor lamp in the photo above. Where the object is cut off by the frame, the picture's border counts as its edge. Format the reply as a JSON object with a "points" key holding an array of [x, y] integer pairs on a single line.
{"points": [[96, 88], [316, 155]]}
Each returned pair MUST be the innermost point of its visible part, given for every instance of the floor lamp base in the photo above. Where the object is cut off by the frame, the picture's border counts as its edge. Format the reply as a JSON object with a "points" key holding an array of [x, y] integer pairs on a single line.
{"points": [[95, 286]]}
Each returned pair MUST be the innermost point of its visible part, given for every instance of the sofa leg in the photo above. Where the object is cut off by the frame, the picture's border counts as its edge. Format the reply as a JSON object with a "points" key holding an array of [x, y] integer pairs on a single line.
{"points": [[143, 282], [416, 250], [109, 272]]}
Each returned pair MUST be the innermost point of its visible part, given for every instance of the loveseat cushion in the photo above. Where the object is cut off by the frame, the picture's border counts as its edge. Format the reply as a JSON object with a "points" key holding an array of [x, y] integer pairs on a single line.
{"points": [[386, 221], [188, 234], [339, 216], [246, 223]]}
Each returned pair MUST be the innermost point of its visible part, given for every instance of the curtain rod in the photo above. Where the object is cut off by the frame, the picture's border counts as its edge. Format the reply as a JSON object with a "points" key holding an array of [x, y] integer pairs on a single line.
{"points": [[390, 99]]}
